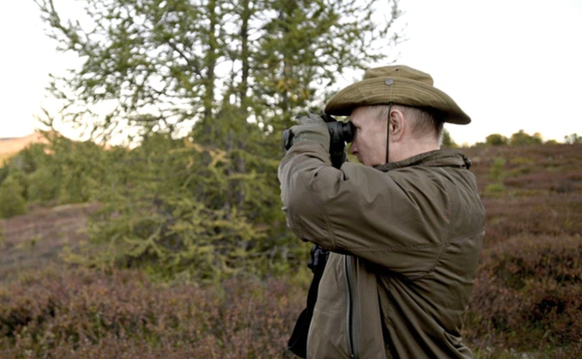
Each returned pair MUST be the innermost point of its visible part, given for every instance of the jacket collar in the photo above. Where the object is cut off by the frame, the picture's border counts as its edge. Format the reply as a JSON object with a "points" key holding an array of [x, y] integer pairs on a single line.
{"points": [[436, 158]]}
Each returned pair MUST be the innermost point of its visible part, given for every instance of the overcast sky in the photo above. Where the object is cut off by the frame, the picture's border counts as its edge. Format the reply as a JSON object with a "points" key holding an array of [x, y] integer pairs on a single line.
{"points": [[509, 64]]}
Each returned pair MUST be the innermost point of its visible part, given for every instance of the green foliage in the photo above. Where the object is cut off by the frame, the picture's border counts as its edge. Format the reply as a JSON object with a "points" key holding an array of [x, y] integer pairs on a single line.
{"points": [[31, 158], [43, 186], [197, 197], [494, 189], [61, 171], [157, 64], [497, 171], [448, 141], [4, 172], [573, 139], [497, 175], [496, 140], [521, 138], [180, 209], [12, 202], [79, 168]]}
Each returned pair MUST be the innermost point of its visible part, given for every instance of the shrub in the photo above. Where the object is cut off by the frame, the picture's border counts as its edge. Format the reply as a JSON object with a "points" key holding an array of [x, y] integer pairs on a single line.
{"points": [[529, 291], [447, 141], [497, 171], [573, 139], [494, 189], [178, 209], [12, 203], [83, 314], [43, 186], [522, 138], [496, 140], [557, 215]]}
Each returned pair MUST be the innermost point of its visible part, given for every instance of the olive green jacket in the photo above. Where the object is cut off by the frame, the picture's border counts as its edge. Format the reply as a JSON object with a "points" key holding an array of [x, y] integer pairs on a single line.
{"points": [[405, 240]]}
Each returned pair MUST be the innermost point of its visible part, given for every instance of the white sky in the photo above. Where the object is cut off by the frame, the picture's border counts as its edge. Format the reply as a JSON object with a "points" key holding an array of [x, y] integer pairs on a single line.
{"points": [[510, 64]]}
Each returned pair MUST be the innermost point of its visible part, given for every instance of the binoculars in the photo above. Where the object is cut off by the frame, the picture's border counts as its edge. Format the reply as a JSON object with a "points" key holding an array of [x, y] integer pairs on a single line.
{"points": [[339, 134]]}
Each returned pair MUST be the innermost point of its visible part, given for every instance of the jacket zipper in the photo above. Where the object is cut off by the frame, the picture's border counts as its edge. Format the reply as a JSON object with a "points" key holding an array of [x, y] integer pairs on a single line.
{"points": [[352, 316]]}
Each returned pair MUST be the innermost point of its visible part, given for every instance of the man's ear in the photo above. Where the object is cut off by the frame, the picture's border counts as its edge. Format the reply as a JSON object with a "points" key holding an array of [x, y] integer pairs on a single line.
{"points": [[397, 125]]}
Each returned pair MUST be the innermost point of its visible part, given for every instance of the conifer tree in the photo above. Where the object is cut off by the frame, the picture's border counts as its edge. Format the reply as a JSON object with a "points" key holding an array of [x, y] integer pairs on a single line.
{"points": [[169, 63], [447, 141], [12, 203], [206, 86]]}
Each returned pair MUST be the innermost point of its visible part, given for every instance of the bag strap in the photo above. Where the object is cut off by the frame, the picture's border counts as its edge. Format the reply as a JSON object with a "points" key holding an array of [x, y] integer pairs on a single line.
{"points": [[297, 344]]}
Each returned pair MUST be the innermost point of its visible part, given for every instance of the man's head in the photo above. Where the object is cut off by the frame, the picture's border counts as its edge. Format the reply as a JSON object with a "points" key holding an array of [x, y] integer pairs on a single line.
{"points": [[412, 131], [416, 116]]}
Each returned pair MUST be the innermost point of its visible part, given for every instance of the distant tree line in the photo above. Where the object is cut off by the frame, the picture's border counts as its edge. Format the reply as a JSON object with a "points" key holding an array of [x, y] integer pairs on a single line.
{"points": [[521, 138]]}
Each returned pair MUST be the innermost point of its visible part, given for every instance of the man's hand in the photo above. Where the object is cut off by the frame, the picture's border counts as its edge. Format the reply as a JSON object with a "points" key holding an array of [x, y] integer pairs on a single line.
{"points": [[311, 127]]}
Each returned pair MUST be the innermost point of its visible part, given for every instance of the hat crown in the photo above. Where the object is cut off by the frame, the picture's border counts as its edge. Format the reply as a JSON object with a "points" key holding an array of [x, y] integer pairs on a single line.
{"points": [[399, 71]]}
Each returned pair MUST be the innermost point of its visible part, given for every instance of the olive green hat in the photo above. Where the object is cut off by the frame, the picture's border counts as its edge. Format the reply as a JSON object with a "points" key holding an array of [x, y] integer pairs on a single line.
{"points": [[400, 85]]}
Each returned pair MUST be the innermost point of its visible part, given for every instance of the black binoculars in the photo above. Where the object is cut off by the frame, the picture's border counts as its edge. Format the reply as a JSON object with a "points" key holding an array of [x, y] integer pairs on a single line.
{"points": [[339, 134]]}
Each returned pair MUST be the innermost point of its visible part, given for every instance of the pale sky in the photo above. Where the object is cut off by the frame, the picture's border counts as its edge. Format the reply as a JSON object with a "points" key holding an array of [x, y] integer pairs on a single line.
{"points": [[509, 64]]}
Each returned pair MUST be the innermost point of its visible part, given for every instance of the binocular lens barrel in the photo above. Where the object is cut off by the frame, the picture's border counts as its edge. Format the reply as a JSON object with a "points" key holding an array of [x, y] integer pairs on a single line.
{"points": [[339, 133]]}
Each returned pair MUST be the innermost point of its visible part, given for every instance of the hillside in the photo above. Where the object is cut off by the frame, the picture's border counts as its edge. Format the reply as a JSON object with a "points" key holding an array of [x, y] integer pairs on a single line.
{"points": [[11, 146], [527, 298], [36, 240]]}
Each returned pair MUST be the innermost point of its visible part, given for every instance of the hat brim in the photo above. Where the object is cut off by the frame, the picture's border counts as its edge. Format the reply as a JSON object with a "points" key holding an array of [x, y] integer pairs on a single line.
{"points": [[400, 91]]}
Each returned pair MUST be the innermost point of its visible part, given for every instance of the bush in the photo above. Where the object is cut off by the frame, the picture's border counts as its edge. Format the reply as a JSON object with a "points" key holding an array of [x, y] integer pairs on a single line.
{"points": [[497, 171], [521, 138], [43, 186], [83, 314], [494, 189], [558, 215], [178, 209], [529, 291], [496, 140], [12, 203]]}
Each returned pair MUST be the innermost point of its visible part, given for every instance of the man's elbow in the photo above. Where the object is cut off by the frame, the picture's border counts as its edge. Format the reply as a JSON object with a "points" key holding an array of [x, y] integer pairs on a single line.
{"points": [[307, 220]]}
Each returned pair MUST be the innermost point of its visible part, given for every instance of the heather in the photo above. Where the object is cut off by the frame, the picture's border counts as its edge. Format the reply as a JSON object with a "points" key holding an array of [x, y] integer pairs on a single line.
{"points": [[527, 294], [161, 234], [88, 314], [57, 303]]}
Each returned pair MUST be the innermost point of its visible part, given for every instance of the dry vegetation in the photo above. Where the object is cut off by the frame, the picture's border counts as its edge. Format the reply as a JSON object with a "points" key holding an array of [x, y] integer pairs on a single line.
{"points": [[527, 300], [527, 296], [36, 240], [83, 314]]}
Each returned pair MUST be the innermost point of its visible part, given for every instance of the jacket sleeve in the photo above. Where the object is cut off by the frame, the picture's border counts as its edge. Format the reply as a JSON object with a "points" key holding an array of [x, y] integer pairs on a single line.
{"points": [[395, 219]]}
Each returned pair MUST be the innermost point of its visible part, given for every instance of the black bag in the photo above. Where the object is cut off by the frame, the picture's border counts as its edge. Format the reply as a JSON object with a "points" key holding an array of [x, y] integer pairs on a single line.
{"points": [[298, 342]]}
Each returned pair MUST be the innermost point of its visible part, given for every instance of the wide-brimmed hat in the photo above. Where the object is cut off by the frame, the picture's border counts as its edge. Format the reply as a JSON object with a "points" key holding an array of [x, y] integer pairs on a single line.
{"points": [[400, 85]]}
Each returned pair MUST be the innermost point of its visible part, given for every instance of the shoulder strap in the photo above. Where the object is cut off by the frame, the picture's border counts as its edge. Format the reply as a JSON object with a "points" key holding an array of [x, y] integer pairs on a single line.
{"points": [[298, 342]]}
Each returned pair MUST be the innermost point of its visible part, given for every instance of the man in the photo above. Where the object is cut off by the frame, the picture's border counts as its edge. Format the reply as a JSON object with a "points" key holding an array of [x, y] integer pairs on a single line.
{"points": [[404, 229]]}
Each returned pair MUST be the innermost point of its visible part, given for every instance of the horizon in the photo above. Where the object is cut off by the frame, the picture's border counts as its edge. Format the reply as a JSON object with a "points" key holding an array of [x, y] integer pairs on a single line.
{"points": [[460, 145]]}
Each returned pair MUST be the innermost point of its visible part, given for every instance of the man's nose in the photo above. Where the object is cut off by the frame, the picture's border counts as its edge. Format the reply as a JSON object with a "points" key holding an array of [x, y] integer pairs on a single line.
{"points": [[353, 148]]}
